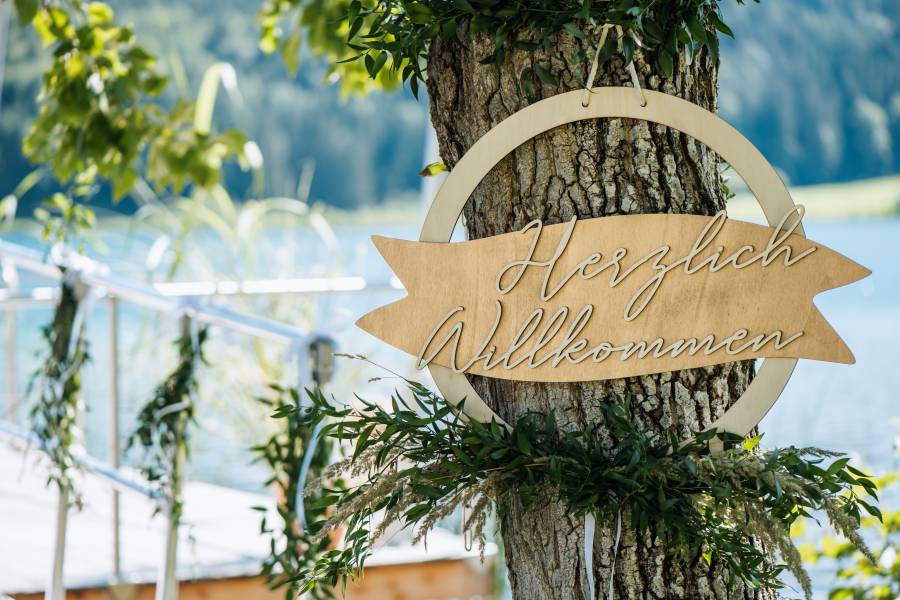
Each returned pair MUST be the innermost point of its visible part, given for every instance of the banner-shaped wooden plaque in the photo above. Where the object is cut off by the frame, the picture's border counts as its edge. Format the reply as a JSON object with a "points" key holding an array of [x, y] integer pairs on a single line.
{"points": [[613, 297]]}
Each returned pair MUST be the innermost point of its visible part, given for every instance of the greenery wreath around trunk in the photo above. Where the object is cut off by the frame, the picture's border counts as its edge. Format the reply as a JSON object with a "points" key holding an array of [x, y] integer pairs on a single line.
{"points": [[417, 462], [390, 40]]}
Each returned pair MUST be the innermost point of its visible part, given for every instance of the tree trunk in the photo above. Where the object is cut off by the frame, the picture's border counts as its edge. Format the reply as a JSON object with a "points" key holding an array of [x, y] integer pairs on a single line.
{"points": [[589, 169]]}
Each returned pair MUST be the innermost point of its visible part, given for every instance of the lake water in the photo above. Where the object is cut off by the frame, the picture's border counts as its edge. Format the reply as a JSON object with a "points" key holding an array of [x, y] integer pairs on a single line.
{"points": [[852, 408]]}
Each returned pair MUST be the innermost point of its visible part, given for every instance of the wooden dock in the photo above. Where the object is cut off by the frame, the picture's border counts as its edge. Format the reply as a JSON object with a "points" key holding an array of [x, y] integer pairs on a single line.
{"points": [[219, 552]]}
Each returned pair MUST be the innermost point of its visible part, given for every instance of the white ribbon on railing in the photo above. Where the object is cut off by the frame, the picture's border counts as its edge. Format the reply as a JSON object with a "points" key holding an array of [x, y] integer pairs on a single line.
{"points": [[298, 354], [590, 525], [308, 453]]}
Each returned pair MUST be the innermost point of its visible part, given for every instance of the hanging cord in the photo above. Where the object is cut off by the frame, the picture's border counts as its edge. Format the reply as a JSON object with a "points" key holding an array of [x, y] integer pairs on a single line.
{"points": [[592, 73], [612, 568], [468, 536], [590, 523]]}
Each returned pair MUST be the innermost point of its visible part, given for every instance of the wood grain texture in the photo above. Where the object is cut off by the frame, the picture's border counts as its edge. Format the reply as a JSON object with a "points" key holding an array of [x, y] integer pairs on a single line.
{"points": [[608, 104], [758, 302]]}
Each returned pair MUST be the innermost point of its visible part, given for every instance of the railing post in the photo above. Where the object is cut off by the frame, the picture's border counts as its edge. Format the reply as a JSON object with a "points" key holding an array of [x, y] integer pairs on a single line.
{"points": [[57, 590], [113, 442], [167, 582]]}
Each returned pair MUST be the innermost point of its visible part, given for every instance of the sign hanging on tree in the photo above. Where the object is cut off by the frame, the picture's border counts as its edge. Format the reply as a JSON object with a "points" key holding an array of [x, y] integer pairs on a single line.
{"points": [[613, 297], [620, 296]]}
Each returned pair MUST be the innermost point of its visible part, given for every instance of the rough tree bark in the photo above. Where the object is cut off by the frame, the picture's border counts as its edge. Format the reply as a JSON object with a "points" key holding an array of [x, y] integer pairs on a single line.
{"points": [[588, 169]]}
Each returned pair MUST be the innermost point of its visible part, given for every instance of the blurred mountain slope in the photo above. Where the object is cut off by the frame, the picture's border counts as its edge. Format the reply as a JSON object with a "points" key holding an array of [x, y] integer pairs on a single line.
{"points": [[814, 83]]}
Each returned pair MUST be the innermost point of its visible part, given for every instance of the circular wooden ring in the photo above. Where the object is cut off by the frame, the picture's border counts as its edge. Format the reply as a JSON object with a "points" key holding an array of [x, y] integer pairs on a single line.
{"points": [[617, 102]]}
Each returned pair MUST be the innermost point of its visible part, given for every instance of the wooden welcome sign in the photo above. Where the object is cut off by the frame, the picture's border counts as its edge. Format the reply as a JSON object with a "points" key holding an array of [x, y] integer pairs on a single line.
{"points": [[620, 296], [613, 297]]}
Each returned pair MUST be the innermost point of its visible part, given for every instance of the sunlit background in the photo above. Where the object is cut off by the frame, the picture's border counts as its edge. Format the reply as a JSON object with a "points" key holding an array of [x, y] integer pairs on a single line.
{"points": [[815, 84]]}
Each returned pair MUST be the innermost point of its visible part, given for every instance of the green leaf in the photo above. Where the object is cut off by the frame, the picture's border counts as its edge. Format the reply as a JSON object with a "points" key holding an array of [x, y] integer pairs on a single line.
{"points": [[435, 168], [751, 443], [26, 10], [416, 512], [418, 13], [545, 75], [122, 184], [698, 31], [379, 62], [720, 25], [355, 26], [353, 10], [574, 30], [653, 32], [586, 10], [362, 440], [837, 465], [448, 30], [290, 52], [523, 445], [664, 62], [98, 13]]}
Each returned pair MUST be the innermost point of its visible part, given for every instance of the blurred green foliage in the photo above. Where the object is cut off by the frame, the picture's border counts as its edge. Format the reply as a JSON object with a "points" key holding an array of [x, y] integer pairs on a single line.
{"points": [[294, 120], [321, 27], [96, 114], [858, 578], [395, 35]]}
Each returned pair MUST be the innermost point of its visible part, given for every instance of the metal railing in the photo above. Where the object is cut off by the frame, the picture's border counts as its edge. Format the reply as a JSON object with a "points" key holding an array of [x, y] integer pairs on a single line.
{"points": [[312, 351]]}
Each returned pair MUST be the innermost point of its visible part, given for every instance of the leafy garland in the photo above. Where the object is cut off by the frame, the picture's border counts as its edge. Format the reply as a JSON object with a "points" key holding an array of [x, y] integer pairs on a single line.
{"points": [[55, 414], [292, 547], [162, 430], [421, 461], [395, 35]]}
